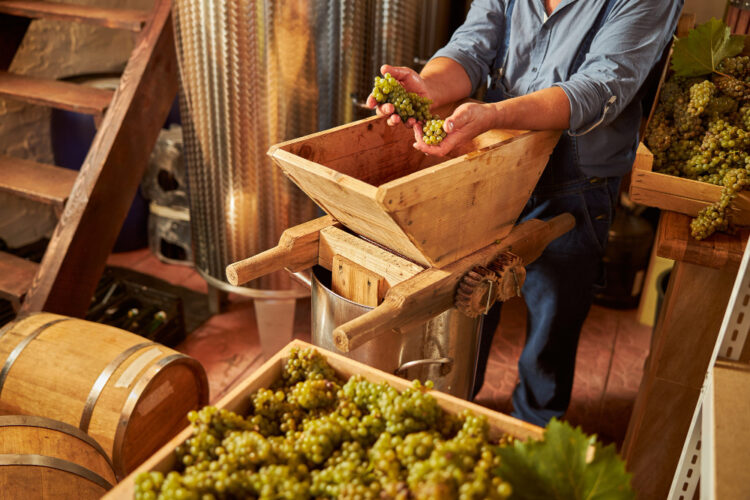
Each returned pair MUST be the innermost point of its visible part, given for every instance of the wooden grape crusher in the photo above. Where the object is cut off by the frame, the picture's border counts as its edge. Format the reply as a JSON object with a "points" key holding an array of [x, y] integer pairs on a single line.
{"points": [[414, 248]]}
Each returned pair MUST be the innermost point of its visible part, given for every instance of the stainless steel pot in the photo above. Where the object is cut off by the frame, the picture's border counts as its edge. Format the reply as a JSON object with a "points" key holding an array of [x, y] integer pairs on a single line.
{"points": [[443, 350]]}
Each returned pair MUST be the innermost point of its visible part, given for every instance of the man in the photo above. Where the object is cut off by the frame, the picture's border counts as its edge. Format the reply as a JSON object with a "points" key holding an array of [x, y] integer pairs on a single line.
{"points": [[572, 65]]}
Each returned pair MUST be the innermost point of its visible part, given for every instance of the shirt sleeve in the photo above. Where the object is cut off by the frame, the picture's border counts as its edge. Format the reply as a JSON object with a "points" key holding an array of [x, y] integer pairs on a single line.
{"points": [[475, 43], [622, 53]]}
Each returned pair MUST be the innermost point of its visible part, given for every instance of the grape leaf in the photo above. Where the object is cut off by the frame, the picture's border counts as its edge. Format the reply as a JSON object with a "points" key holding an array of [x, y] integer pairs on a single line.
{"points": [[700, 52], [560, 466]]}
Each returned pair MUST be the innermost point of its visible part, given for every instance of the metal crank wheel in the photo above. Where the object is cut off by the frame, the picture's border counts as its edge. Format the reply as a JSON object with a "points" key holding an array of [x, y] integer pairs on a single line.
{"points": [[510, 275], [476, 292]]}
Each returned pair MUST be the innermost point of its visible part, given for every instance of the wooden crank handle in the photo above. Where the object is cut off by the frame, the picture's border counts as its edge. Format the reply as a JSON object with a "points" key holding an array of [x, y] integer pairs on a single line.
{"points": [[297, 250], [552, 229], [361, 329]]}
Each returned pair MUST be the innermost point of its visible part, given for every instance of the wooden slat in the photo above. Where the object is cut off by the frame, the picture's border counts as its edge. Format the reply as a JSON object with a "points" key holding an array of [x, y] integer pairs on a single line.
{"points": [[16, 275], [110, 175], [356, 283], [393, 269], [37, 181], [126, 19], [55, 94]]}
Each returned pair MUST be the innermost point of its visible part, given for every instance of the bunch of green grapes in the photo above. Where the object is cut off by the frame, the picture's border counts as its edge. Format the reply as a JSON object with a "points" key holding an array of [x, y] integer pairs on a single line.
{"points": [[433, 132], [714, 217], [699, 131], [312, 437], [738, 67], [407, 104]]}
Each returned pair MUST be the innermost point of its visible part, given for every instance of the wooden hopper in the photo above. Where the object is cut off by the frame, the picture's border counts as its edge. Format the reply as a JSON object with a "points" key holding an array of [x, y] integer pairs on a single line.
{"points": [[431, 210]]}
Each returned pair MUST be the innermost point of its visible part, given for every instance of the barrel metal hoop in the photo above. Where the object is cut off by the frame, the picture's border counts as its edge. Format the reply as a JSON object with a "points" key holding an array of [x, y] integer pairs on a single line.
{"points": [[21, 346], [55, 463], [135, 395], [101, 381], [55, 425]]}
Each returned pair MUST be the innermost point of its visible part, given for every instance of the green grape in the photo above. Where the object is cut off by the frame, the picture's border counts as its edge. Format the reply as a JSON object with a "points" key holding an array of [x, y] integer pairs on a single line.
{"points": [[738, 67], [699, 131], [406, 104], [714, 217], [732, 87], [310, 437], [660, 133], [433, 132], [700, 95]]}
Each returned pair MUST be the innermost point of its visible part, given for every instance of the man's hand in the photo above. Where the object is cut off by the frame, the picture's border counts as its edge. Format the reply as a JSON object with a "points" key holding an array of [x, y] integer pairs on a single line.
{"points": [[410, 80], [467, 121]]}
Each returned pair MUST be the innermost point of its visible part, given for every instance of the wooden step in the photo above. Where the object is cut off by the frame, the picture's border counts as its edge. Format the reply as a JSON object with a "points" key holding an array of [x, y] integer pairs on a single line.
{"points": [[16, 275], [37, 181], [132, 20], [55, 94]]}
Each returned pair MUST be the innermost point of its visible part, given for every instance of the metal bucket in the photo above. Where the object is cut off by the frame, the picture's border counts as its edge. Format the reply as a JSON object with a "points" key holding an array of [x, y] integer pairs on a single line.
{"points": [[443, 349]]}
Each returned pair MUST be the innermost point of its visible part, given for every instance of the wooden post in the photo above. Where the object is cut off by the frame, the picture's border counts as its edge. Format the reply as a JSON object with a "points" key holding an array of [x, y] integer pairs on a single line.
{"points": [[681, 349]]}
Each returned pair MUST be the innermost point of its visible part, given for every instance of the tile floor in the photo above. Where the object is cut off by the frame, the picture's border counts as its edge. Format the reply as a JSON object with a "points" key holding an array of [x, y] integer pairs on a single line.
{"points": [[609, 363]]}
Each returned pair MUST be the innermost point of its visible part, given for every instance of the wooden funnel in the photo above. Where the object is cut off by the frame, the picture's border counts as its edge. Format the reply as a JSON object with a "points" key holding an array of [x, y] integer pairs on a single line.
{"points": [[432, 210]]}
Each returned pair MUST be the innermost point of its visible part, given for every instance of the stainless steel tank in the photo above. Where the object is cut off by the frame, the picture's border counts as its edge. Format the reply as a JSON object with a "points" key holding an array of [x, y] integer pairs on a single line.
{"points": [[256, 73], [443, 349]]}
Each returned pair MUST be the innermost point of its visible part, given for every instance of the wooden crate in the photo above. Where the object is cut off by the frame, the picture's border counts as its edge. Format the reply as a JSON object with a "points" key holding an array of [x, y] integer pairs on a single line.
{"points": [[238, 400], [432, 210], [678, 194]]}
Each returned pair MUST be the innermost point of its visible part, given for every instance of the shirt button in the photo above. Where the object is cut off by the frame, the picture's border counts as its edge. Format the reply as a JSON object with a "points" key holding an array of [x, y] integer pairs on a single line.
{"points": [[533, 70]]}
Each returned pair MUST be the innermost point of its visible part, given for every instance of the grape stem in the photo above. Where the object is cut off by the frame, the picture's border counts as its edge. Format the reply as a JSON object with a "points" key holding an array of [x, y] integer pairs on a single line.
{"points": [[732, 77]]}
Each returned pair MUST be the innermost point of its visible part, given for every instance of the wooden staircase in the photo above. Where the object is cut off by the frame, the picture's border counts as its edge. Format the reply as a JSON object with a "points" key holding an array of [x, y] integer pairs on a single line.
{"points": [[93, 203]]}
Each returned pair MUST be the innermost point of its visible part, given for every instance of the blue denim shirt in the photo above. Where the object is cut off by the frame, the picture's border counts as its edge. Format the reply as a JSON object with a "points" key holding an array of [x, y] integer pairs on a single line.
{"points": [[542, 49]]}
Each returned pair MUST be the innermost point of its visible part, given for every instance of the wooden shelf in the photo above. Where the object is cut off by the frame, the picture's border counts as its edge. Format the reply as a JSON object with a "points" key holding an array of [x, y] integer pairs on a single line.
{"points": [[717, 251], [132, 20], [36, 181], [55, 94]]}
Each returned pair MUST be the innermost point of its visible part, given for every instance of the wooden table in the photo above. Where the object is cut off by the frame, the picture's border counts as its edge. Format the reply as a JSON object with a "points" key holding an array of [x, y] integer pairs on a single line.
{"points": [[684, 336]]}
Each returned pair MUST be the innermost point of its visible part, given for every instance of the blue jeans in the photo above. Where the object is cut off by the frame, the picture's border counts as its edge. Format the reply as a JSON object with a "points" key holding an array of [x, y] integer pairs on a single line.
{"points": [[559, 286]]}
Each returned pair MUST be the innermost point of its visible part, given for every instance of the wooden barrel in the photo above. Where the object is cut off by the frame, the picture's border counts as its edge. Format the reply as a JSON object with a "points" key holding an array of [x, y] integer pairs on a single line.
{"points": [[43, 458], [130, 394]]}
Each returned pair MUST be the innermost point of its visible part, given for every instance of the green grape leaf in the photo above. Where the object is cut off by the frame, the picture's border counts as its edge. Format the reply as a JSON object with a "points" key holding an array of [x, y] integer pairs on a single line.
{"points": [[700, 52], [561, 466]]}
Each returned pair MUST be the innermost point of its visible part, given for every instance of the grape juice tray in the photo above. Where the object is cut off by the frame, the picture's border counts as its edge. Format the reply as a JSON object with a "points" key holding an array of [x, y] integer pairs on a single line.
{"points": [[238, 400], [432, 210], [678, 194]]}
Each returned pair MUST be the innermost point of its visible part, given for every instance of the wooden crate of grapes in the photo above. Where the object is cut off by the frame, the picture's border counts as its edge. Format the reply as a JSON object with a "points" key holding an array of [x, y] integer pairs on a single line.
{"points": [[678, 194], [697, 138], [239, 401]]}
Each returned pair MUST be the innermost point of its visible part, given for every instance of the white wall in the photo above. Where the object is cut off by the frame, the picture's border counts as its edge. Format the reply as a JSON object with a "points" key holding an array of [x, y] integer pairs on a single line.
{"points": [[706, 9]]}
